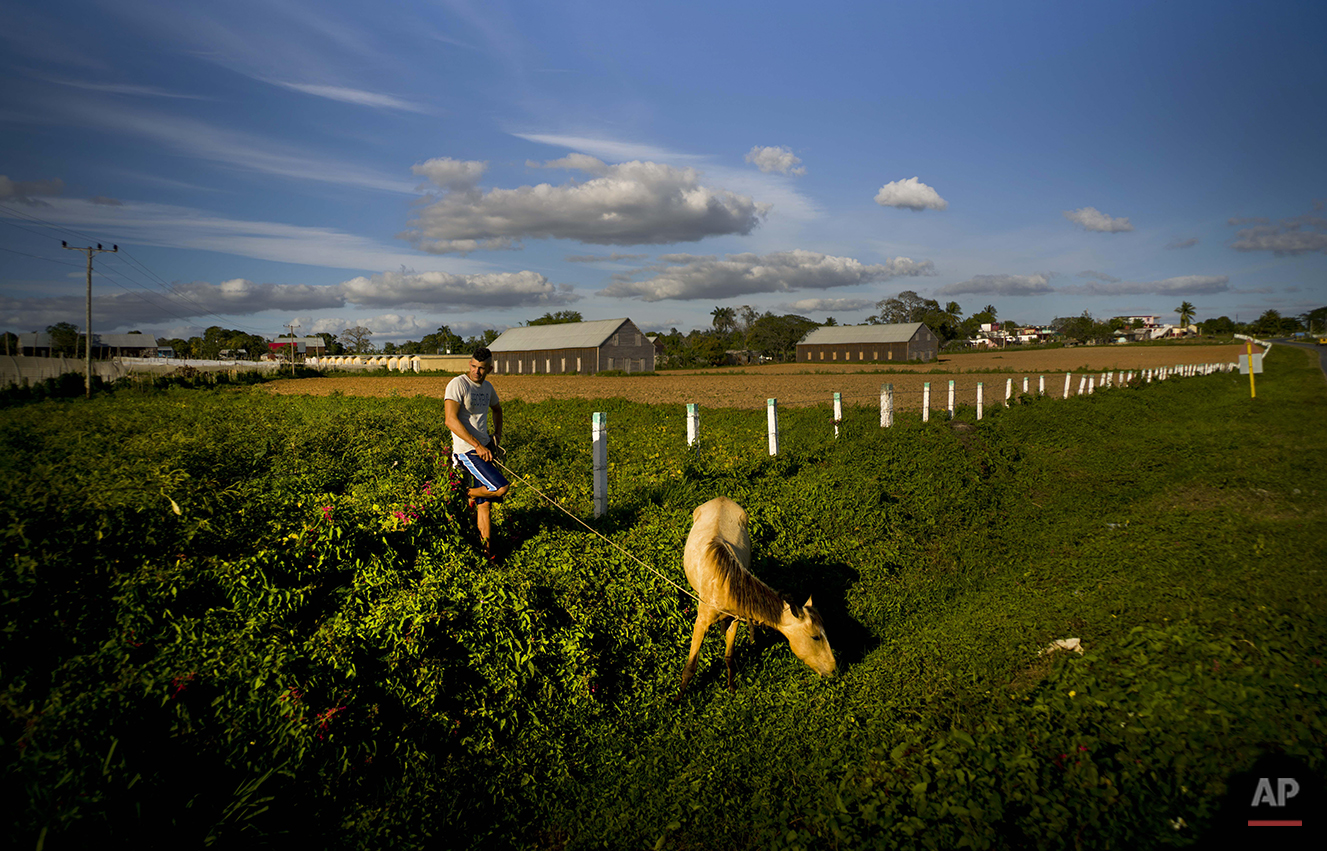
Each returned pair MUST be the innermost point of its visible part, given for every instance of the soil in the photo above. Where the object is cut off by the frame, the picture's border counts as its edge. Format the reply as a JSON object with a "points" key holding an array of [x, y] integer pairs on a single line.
{"points": [[801, 384]]}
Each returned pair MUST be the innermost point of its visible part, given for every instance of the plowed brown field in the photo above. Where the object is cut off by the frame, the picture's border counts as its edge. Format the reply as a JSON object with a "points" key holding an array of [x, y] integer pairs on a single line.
{"points": [[797, 384]]}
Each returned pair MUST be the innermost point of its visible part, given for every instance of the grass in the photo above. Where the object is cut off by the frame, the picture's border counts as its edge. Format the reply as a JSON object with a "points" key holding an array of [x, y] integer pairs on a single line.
{"points": [[1176, 528]]}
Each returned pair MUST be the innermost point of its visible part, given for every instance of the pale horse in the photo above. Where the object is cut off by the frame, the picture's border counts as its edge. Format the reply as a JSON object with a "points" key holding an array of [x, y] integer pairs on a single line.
{"points": [[717, 559]]}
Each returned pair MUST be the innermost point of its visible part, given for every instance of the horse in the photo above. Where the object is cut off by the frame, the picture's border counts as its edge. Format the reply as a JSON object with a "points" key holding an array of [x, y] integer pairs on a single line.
{"points": [[717, 559]]}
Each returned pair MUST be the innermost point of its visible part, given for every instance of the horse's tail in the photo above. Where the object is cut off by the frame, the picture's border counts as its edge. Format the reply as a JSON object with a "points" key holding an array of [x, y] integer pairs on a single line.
{"points": [[752, 599]]}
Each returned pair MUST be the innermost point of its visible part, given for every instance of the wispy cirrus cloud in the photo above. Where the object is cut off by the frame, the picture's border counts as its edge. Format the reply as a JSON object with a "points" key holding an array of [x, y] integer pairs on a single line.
{"points": [[683, 276], [1289, 237], [173, 226], [359, 97], [233, 149], [1005, 285]]}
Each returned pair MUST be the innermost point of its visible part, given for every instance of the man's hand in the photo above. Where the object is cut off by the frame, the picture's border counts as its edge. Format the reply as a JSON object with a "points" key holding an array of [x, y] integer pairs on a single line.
{"points": [[483, 452]]}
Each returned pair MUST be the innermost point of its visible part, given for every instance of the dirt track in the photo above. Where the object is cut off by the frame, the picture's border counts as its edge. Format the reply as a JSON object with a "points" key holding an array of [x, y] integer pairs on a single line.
{"points": [[797, 385]]}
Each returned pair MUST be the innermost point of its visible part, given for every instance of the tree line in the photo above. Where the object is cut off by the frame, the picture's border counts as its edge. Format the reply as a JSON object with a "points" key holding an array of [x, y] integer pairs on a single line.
{"points": [[766, 335]]}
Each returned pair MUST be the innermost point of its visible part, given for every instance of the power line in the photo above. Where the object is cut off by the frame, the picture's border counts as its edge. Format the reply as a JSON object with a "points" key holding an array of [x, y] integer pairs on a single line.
{"points": [[133, 263]]}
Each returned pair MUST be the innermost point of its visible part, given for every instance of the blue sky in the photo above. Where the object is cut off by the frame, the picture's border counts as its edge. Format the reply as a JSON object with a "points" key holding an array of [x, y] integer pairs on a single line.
{"points": [[403, 166]]}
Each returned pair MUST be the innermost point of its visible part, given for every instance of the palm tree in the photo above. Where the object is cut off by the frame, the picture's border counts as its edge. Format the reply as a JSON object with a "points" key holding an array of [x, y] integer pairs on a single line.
{"points": [[725, 318], [1186, 312]]}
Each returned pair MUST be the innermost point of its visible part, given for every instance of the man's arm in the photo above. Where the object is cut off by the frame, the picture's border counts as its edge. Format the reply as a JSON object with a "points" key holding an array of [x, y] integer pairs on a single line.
{"points": [[453, 409]]}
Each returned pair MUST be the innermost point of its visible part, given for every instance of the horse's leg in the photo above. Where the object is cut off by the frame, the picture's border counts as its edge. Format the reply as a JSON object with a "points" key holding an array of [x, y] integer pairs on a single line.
{"points": [[704, 618], [729, 638]]}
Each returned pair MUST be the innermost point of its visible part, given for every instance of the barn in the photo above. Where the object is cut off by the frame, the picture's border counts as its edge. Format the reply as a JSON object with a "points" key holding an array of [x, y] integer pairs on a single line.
{"points": [[869, 344], [573, 347]]}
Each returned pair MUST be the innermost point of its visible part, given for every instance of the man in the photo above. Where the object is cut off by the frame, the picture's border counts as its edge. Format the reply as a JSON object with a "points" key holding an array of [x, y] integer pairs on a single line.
{"points": [[467, 401]]}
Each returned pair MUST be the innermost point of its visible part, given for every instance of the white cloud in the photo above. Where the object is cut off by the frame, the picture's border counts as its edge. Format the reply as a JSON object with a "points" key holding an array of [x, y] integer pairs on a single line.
{"points": [[910, 194], [1090, 218], [355, 96], [627, 204], [741, 274], [1178, 243], [457, 292], [829, 305], [1182, 285], [1299, 235], [778, 160], [1100, 276], [1006, 285], [28, 191], [615, 257], [574, 162], [450, 174], [242, 297], [783, 199]]}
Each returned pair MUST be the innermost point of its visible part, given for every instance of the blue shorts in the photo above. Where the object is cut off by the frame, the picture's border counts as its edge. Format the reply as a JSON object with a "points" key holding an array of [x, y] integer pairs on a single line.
{"points": [[482, 474]]}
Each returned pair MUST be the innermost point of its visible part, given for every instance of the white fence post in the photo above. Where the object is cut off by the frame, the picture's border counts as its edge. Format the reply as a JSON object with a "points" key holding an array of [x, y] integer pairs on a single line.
{"points": [[1067, 376], [693, 423], [599, 432], [886, 405], [926, 401], [1090, 381], [772, 416], [1008, 390], [1082, 384], [979, 400], [1041, 385], [1025, 385], [951, 399], [838, 413]]}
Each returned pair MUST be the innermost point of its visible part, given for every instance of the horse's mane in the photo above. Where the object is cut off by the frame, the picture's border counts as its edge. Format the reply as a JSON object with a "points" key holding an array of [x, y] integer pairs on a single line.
{"points": [[748, 595]]}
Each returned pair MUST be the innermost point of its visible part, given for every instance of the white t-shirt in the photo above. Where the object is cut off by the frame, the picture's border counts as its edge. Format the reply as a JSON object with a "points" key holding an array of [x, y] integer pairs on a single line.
{"points": [[475, 400]]}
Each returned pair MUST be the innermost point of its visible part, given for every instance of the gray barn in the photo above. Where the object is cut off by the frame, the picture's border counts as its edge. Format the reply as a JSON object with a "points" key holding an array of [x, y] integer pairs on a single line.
{"points": [[573, 347], [868, 344]]}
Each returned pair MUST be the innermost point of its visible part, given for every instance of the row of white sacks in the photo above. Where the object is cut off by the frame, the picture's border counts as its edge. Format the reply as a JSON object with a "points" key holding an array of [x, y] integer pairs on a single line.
{"points": [[404, 363]]}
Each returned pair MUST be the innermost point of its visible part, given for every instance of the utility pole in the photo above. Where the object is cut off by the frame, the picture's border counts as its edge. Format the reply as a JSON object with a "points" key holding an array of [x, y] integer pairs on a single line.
{"points": [[292, 328], [87, 341]]}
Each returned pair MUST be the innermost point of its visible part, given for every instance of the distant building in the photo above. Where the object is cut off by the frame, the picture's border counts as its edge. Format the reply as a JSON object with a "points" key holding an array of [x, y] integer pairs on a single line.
{"points": [[868, 344], [38, 344], [303, 346], [573, 347]]}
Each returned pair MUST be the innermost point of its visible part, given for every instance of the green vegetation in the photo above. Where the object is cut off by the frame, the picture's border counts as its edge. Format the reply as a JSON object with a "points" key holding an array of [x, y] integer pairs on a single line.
{"points": [[233, 618]]}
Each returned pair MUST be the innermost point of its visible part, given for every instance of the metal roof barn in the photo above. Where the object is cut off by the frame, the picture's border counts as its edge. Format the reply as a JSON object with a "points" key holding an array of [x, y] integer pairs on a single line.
{"points": [[869, 343], [573, 347]]}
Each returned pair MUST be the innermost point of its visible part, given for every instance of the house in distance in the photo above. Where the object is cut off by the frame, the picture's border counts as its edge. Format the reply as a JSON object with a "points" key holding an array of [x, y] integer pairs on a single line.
{"points": [[868, 344], [573, 347]]}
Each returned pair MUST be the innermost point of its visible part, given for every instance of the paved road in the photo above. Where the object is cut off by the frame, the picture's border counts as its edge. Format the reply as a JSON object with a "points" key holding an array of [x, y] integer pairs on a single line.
{"points": [[1322, 352]]}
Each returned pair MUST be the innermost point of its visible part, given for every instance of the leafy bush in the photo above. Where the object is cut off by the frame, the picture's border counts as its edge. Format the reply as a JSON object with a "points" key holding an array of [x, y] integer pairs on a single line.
{"points": [[228, 617]]}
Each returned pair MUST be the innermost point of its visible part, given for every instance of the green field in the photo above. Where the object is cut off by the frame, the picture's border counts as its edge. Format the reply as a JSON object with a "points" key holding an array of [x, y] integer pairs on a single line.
{"points": [[238, 619]]}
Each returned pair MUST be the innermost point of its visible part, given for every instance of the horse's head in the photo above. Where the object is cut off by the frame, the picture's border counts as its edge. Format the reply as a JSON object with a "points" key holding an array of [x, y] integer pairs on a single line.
{"points": [[805, 632]]}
